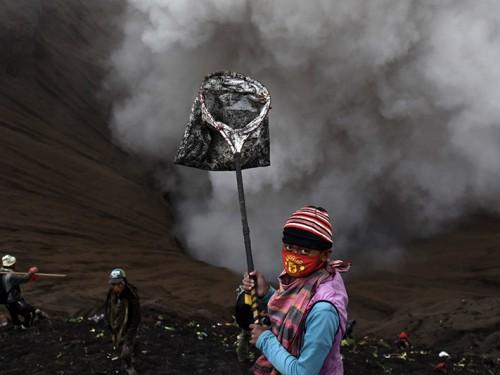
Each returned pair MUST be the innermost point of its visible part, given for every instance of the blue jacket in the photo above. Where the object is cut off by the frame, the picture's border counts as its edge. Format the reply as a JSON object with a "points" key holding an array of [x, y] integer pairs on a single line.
{"points": [[321, 326]]}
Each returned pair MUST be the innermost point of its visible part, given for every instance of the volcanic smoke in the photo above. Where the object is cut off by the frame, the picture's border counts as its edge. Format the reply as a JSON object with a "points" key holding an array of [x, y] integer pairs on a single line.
{"points": [[384, 112]]}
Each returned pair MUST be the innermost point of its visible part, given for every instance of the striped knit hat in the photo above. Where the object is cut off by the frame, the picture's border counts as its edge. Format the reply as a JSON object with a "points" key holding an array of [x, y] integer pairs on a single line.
{"points": [[309, 227]]}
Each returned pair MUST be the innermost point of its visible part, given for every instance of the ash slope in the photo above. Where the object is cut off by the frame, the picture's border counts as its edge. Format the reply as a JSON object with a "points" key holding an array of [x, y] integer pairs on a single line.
{"points": [[73, 202]]}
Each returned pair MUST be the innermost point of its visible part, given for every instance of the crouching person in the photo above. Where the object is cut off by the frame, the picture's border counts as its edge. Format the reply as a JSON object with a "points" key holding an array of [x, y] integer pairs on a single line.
{"points": [[123, 316], [21, 312]]}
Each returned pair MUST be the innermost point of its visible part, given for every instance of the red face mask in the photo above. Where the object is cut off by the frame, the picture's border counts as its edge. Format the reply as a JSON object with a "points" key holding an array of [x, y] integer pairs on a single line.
{"points": [[299, 265]]}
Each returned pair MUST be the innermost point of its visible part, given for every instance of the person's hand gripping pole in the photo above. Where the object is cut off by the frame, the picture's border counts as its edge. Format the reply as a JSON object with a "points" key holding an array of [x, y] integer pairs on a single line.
{"points": [[254, 285]]}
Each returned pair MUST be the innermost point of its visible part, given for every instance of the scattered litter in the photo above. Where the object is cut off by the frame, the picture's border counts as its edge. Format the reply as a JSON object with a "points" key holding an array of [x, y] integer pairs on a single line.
{"points": [[201, 335], [96, 318], [461, 363], [87, 343], [78, 319], [443, 354], [363, 341], [347, 342]]}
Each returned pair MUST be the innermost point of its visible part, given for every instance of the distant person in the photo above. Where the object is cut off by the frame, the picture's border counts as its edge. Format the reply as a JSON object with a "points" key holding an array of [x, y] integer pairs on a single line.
{"points": [[123, 315], [308, 312], [22, 314], [403, 341]]}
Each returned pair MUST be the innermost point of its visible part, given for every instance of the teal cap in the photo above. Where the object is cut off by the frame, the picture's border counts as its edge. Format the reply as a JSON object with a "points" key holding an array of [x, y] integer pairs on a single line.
{"points": [[116, 276]]}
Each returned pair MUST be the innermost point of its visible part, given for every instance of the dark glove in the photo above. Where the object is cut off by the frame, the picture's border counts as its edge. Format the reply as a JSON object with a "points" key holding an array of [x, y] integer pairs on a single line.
{"points": [[32, 272]]}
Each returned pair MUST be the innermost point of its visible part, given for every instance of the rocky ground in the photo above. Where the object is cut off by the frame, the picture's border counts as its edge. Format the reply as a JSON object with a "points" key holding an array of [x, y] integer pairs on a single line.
{"points": [[173, 345]]}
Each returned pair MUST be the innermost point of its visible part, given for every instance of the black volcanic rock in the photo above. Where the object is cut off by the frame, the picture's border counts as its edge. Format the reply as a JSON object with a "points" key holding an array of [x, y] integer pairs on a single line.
{"points": [[171, 345]]}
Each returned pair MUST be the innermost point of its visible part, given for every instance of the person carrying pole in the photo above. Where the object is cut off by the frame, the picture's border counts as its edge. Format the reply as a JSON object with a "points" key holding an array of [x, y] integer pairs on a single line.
{"points": [[308, 312], [22, 314], [228, 130]]}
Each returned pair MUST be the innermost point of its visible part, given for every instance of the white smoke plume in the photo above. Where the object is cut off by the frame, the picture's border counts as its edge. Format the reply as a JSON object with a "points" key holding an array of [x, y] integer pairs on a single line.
{"points": [[385, 112]]}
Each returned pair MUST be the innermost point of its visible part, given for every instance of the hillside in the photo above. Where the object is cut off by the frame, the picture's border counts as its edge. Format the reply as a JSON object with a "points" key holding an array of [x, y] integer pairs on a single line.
{"points": [[72, 201]]}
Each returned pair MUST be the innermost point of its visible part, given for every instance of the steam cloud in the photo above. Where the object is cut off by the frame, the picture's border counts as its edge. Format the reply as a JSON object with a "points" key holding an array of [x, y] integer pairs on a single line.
{"points": [[384, 112]]}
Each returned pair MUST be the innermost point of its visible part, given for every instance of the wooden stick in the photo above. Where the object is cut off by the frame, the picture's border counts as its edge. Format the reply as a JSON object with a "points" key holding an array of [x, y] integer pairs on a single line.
{"points": [[37, 274]]}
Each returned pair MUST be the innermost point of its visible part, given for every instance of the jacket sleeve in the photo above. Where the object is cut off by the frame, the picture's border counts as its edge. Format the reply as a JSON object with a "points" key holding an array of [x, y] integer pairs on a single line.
{"points": [[11, 280], [321, 327], [107, 309], [134, 317]]}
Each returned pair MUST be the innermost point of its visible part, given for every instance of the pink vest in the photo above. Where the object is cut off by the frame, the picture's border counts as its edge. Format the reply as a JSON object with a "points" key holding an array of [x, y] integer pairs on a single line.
{"points": [[333, 290]]}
